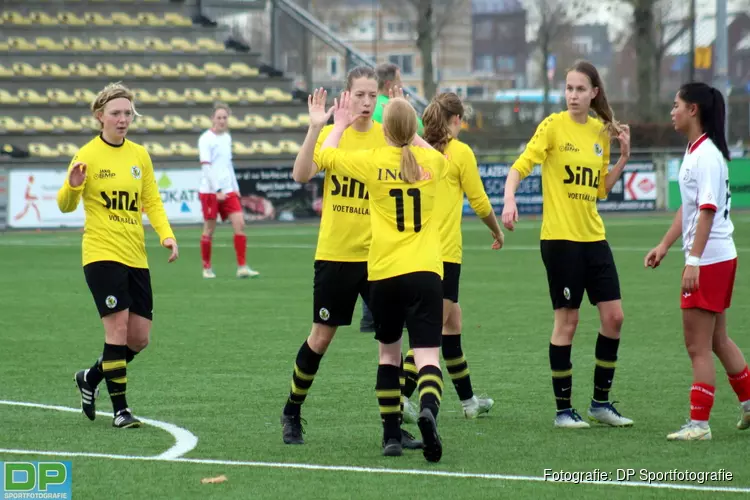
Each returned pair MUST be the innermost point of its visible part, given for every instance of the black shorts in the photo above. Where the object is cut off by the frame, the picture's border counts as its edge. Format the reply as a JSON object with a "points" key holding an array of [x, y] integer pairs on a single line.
{"points": [[116, 287], [414, 298], [574, 266], [451, 275], [336, 286]]}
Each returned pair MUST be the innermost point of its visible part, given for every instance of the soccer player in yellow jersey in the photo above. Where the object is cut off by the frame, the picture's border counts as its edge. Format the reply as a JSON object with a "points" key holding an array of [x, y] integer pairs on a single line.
{"points": [[114, 178], [404, 263], [343, 240], [573, 148], [442, 121]]}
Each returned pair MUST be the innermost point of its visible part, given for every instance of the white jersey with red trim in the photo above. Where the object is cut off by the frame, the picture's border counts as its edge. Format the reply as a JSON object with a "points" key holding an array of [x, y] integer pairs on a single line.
{"points": [[217, 171], [704, 184]]}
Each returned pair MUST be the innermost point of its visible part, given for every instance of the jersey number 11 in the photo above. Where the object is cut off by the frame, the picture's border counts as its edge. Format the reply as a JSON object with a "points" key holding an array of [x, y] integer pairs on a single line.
{"points": [[417, 197]]}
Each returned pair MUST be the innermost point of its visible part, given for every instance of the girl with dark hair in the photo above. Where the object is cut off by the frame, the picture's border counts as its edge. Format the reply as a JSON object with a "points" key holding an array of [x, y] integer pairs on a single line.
{"points": [[710, 256], [573, 149]]}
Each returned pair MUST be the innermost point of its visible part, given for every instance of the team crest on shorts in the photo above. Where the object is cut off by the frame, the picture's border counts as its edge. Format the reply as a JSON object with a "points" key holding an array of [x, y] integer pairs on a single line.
{"points": [[136, 172], [598, 149], [111, 301], [324, 314], [566, 293]]}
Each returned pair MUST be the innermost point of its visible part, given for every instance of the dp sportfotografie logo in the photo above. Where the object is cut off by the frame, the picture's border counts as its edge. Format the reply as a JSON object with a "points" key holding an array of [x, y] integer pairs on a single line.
{"points": [[36, 480]]}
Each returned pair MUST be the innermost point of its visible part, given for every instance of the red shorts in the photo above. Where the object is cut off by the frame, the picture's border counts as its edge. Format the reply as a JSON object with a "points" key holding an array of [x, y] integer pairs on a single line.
{"points": [[715, 285], [212, 206]]}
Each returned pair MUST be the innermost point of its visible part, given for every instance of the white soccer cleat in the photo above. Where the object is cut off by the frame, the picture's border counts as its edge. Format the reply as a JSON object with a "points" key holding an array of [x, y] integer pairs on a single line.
{"points": [[246, 272], [570, 419], [411, 412], [607, 414], [208, 273], [744, 422], [691, 431], [477, 406]]}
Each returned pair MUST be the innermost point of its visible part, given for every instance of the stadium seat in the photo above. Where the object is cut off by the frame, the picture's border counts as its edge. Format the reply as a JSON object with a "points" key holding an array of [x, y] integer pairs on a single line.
{"points": [[43, 18], [89, 123], [250, 96], [4, 46], [191, 70], [283, 121], [174, 19], [156, 149], [6, 72], [37, 124], [80, 69], [76, 44], [235, 123], [59, 96], [221, 94], [198, 96], [84, 96], [110, 70], [164, 70], [214, 69], [183, 45], [39, 149], [54, 70], [71, 19], [176, 122], [8, 98], [123, 19], [67, 149], [8, 124], [19, 43], [138, 71], [239, 148], [131, 44], [242, 69], [26, 69], [265, 148], [150, 123], [274, 94], [303, 119], [170, 95], [97, 19], [145, 97], [254, 122], [65, 124], [157, 44], [150, 19], [289, 147], [32, 97], [210, 45], [46, 43], [201, 122], [183, 149], [104, 45], [14, 17]]}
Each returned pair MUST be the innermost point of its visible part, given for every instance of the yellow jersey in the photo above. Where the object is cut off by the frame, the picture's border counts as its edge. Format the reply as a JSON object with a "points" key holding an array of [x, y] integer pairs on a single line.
{"points": [[575, 162], [405, 231], [345, 232], [463, 177], [118, 187]]}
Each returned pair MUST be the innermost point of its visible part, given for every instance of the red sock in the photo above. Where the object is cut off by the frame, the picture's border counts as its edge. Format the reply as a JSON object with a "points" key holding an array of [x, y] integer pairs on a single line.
{"points": [[240, 243], [701, 401], [206, 251], [741, 384]]}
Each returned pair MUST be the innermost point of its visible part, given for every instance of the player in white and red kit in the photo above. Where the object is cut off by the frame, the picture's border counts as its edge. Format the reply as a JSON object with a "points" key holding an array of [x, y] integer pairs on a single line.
{"points": [[219, 192], [710, 256]]}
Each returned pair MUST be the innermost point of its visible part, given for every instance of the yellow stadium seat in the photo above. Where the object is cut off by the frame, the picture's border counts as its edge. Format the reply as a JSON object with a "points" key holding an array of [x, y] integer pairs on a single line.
{"points": [[242, 69], [32, 97], [198, 96], [61, 97], [280, 120], [191, 70], [67, 149], [210, 45], [214, 69], [138, 71], [239, 148], [183, 45], [80, 69], [8, 124], [97, 19], [76, 44], [84, 96], [88, 123], [156, 149], [170, 95], [303, 119], [71, 19], [4, 46], [157, 44], [124, 19], [39, 149], [265, 148], [131, 44], [250, 96], [14, 17], [65, 124], [109, 69], [19, 43], [164, 70], [183, 149], [47, 43], [43, 18], [289, 147], [276, 95], [37, 124], [145, 97], [148, 122], [26, 69], [6, 72], [235, 123], [104, 45], [224, 95], [52, 69], [174, 19], [201, 121], [149, 19], [8, 98], [254, 121], [175, 122]]}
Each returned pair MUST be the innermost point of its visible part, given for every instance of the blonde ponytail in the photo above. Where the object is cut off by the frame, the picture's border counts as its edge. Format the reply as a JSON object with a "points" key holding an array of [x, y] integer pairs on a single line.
{"points": [[410, 170]]}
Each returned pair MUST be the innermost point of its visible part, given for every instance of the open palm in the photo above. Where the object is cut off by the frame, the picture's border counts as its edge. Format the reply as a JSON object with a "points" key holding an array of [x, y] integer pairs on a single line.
{"points": [[316, 106]]}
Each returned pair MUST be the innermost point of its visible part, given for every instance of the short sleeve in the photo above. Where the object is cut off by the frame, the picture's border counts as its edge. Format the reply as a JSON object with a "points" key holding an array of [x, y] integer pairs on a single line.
{"points": [[204, 149]]}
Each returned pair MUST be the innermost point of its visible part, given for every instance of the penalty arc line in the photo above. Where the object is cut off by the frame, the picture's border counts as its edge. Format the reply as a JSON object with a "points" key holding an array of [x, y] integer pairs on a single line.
{"points": [[185, 441]]}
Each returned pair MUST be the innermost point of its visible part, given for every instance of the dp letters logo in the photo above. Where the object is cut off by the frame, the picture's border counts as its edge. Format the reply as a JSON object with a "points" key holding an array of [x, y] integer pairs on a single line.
{"points": [[36, 480]]}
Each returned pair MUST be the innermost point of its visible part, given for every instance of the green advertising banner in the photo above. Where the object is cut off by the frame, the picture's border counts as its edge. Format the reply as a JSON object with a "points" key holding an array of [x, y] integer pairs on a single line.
{"points": [[739, 182]]}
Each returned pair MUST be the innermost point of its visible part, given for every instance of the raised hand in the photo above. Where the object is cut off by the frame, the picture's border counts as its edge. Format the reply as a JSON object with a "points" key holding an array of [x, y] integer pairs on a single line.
{"points": [[77, 174], [342, 112], [624, 138], [316, 107], [395, 92]]}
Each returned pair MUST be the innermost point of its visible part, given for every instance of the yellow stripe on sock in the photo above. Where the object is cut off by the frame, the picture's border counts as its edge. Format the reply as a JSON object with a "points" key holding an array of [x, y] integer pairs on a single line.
{"points": [[297, 391], [402, 381], [120, 380], [457, 376], [431, 390], [410, 367], [390, 409], [449, 363], [431, 378], [562, 374], [302, 375], [605, 364], [388, 393], [108, 366]]}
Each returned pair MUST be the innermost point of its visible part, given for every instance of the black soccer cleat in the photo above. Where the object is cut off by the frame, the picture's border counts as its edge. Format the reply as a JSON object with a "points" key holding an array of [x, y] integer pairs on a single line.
{"points": [[433, 448], [392, 448], [124, 419], [88, 394], [409, 442], [291, 429]]}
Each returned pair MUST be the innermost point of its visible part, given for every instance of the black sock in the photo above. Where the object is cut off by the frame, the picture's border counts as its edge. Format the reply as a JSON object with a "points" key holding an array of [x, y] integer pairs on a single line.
{"points": [[389, 400], [95, 375], [458, 368], [604, 372], [410, 374], [562, 374], [305, 368], [430, 388], [114, 367]]}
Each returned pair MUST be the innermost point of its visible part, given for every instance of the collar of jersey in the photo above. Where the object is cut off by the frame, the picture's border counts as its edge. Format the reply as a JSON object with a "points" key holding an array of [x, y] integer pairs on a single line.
{"points": [[101, 136], [692, 147]]}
